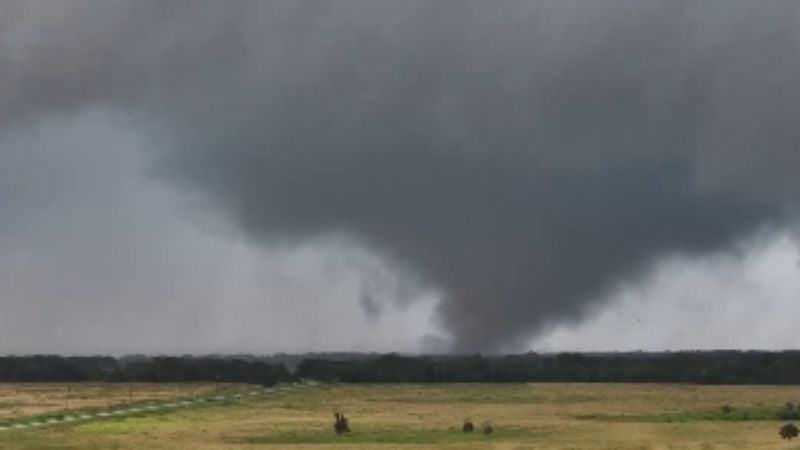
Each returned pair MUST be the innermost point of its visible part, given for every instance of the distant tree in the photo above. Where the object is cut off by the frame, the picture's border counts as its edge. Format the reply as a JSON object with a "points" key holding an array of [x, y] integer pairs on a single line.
{"points": [[468, 426], [789, 431], [789, 412], [341, 424]]}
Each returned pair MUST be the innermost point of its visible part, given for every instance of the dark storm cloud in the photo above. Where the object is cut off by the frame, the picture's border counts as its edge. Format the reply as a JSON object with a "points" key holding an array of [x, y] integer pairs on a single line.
{"points": [[521, 157]]}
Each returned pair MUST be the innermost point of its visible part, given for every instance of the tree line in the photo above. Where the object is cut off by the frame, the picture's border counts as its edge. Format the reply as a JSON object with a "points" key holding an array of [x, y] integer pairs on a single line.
{"points": [[52, 368], [705, 367]]}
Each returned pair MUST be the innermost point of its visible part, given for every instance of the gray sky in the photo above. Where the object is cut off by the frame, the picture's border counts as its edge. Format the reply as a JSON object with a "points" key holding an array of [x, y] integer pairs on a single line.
{"points": [[411, 176]]}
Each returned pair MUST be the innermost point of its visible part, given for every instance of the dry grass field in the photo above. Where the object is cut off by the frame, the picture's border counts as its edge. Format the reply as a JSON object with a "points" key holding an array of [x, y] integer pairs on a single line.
{"points": [[524, 416], [28, 399]]}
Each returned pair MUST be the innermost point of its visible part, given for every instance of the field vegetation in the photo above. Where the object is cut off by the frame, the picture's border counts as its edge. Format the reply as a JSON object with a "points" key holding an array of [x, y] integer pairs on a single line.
{"points": [[29, 399], [426, 416]]}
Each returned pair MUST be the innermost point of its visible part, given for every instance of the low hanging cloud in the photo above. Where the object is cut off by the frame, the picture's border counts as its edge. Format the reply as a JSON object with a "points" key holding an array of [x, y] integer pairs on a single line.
{"points": [[521, 158]]}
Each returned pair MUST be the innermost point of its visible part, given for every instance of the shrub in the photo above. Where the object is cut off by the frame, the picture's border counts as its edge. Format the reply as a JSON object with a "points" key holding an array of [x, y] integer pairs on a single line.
{"points": [[468, 426], [788, 412], [789, 431], [341, 424]]}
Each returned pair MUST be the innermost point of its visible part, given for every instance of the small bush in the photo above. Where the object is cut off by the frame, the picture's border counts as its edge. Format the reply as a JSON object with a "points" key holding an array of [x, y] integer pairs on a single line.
{"points": [[788, 412], [341, 424], [789, 431], [468, 426]]}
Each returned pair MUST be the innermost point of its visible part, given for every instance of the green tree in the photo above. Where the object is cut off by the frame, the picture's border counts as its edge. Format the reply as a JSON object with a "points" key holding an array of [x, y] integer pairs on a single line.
{"points": [[788, 431]]}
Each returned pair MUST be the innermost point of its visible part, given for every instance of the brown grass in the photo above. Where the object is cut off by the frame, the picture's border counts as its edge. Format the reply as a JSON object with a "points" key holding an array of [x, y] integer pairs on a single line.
{"points": [[26, 399], [525, 416]]}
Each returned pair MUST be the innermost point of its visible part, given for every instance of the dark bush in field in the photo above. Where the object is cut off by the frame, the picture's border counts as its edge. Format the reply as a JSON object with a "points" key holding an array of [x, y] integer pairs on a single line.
{"points": [[468, 426], [341, 424], [788, 412], [789, 431]]}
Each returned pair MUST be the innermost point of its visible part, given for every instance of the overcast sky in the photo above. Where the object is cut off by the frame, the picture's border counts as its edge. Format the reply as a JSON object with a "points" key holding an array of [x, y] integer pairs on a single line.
{"points": [[420, 176]]}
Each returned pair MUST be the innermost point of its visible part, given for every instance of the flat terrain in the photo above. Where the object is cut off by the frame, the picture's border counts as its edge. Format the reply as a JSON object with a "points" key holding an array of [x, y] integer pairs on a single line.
{"points": [[27, 399], [525, 416]]}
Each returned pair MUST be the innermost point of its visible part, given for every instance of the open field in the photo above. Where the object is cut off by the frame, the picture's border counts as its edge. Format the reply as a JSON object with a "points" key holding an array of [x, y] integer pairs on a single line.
{"points": [[28, 399], [525, 416]]}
